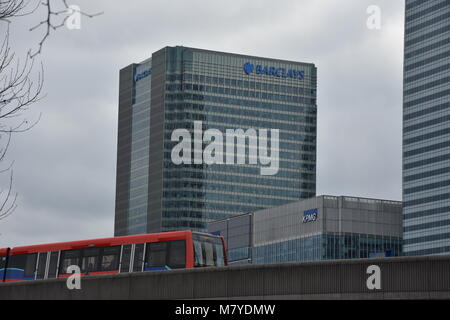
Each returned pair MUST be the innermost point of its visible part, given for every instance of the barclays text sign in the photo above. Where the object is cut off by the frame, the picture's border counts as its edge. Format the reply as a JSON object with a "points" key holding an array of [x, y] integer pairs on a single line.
{"points": [[250, 68], [310, 215]]}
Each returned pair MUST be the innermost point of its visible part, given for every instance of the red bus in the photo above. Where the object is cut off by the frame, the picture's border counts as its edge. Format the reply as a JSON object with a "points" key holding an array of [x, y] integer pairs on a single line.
{"points": [[146, 252]]}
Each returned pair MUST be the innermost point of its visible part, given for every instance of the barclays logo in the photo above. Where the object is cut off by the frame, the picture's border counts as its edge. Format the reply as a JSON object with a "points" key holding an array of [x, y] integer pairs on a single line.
{"points": [[249, 68]]}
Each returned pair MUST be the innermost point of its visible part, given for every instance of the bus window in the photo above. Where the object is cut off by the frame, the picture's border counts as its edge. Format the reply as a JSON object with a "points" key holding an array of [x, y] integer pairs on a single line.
{"points": [[166, 255], [21, 266], [208, 251], [69, 258], [126, 258], [138, 257], [176, 255], [218, 250], [42, 263], [110, 258], [156, 256], [198, 254], [89, 262], [2, 262], [53, 266]]}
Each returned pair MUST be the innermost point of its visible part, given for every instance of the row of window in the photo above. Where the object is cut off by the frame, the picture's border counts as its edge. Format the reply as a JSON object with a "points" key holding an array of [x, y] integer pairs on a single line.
{"points": [[426, 213], [434, 237], [427, 36], [236, 173], [427, 174], [427, 74], [428, 225], [239, 93], [259, 108], [205, 189], [285, 166], [425, 187], [426, 124], [429, 59], [159, 254], [179, 224], [173, 203], [246, 84], [260, 201], [411, 17], [427, 48], [240, 121], [434, 198], [285, 135], [425, 162], [428, 22], [430, 251], [433, 96], [227, 90], [327, 247], [192, 214], [420, 113], [213, 177], [233, 115], [285, 151], [426, 136], [425, 149], [214, 184], [411, 4], [428, 86]]}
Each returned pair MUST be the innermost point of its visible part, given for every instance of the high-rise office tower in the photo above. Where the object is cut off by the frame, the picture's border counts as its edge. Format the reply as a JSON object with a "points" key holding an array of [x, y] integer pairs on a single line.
{"points": [[205, 135], [426, 128]]}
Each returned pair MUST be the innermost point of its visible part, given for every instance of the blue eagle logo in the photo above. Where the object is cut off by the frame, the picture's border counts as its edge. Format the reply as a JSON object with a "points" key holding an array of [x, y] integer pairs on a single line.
{"points": [[248, 68]]}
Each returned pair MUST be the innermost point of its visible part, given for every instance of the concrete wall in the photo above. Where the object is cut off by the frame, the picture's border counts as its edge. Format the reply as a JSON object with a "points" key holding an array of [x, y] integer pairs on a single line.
{"points": [[401, 278]]}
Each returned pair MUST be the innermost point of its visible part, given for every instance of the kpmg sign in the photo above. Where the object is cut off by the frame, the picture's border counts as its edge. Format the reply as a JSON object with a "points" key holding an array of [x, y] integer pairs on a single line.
{"points": [[250, 68], [142, 75], [310, 215]]}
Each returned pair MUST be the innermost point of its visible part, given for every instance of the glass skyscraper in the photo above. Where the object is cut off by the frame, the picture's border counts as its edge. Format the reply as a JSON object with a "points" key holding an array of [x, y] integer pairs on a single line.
{"points": [[426, 128], [179, 87]]}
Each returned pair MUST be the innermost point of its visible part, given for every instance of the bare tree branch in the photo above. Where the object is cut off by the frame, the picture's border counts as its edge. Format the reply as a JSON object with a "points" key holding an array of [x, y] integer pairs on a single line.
{"points": [[20, 84], [49, 23], [8, 204]]}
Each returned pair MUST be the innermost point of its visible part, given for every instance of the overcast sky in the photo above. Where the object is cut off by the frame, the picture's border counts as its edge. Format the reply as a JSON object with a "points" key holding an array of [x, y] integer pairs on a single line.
{"points": [[64, 168]]}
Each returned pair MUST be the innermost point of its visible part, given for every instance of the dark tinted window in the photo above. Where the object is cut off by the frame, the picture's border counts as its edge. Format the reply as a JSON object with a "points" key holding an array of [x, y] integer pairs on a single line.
{"points": [[156, 254], [53, 266], [177, 254], [110, 258], [68, 258], [138, 257], [208, 251], [42, 262], [2, 262], [25, 262], [90, 259], [170, 254], [126, 255], [30, 265]]}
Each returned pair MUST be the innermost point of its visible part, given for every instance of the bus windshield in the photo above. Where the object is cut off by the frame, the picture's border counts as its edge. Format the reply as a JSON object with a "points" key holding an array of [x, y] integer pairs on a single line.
{"points": [[208, 250]]}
